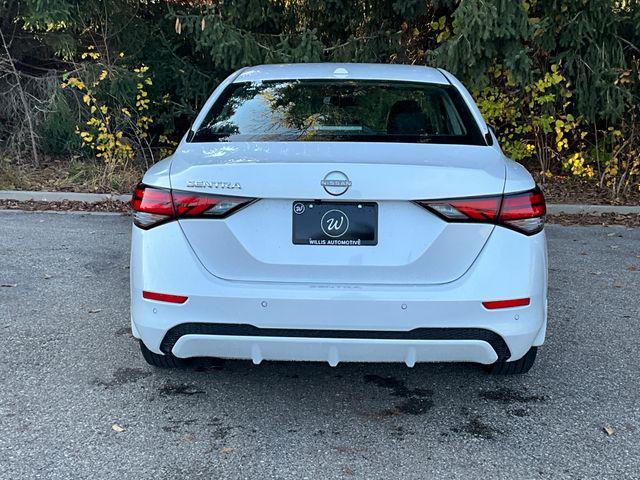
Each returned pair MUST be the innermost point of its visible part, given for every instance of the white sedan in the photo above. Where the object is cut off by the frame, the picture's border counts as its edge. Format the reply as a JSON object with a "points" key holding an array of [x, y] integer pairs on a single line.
{"points": [[339, 213]]}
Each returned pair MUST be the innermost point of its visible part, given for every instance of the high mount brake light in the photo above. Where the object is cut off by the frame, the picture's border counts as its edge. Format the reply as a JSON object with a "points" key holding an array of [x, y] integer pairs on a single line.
{"points": [[523, 211], [154, 206]]}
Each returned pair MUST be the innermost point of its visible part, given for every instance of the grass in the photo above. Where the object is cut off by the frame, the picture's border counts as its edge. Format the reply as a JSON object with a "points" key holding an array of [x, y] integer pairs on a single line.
{"points": [[92, 176], [11, 178], [76, 174]]}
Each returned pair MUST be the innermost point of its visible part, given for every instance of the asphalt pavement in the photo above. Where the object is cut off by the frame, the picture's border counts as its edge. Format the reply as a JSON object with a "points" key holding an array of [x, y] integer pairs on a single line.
{"points": [[78, 401]]}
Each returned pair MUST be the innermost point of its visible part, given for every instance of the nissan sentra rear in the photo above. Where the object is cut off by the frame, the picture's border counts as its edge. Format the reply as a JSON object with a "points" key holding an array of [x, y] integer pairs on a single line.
{"points": [[339, 213]]}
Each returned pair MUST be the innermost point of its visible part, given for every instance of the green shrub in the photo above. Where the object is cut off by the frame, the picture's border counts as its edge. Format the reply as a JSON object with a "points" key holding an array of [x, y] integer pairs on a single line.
{"points": [[57, 130]]}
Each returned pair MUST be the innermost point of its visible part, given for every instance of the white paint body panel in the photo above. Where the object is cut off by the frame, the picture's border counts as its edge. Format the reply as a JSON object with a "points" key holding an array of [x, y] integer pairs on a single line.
{"points": [[423, 273], [256, 250], [510, 266], [335, 350], [378, 171], [257, 239], [349, 71]]}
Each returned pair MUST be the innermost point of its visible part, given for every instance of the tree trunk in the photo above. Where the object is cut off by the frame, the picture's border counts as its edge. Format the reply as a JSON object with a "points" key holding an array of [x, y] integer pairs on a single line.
{"points": [[23, 99]]}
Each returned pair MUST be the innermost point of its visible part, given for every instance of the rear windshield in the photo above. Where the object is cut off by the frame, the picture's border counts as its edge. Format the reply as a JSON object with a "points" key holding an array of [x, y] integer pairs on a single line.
{"points": [[339, 110]]}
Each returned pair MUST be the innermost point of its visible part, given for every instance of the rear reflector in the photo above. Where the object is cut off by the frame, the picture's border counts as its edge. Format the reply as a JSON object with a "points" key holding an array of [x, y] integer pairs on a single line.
{"points": [[164, 297], [523, 211], [154, 206], [518, 302]]}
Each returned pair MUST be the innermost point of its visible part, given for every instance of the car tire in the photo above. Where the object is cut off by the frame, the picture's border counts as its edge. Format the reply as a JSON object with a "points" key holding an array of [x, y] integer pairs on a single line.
{"points": [[162, 361], [517, 367]]}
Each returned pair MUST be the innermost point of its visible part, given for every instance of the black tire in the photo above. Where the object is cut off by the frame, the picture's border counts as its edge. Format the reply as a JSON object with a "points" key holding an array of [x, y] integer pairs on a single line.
{"points": [[162, 361], [516, 367]]}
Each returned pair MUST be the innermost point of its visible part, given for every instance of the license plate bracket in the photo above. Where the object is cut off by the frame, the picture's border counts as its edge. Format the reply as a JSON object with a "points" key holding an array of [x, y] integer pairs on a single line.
{"points": [[334, 223]]}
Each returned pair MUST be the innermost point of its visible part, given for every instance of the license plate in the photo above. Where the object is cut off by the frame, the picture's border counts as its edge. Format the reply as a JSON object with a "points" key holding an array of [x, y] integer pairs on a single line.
{"points": [[335, 223]]}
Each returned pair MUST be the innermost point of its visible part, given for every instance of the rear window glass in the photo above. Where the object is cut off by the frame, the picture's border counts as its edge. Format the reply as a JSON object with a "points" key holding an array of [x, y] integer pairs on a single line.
{"points": [[339, 110]]}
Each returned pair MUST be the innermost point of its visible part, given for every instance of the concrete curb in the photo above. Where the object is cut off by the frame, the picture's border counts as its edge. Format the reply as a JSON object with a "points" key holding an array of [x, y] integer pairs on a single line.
{"points": [[63, 212], [23, 196], [577, 209]]}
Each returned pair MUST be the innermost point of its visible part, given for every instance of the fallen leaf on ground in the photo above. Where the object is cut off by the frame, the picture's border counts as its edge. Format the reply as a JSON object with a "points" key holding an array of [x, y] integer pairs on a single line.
{"points": [[9, 285], [583, 253], [226, 450], [608, 430], [348, 471], [180, 390], [95, 310], [117, 428], [632, 268]]}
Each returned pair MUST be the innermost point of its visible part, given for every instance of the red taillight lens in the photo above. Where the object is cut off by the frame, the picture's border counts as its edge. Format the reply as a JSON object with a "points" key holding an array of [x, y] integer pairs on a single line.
{"points": [[195, 205], [471, 209], [152, 200], [524, 211], [520, 211], [151, 206], [164, 297], [154, 206], [516, 302]]}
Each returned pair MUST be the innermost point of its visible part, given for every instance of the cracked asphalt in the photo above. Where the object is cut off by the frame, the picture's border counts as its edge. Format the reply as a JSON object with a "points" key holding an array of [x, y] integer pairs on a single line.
{"points": [[71, 371]]}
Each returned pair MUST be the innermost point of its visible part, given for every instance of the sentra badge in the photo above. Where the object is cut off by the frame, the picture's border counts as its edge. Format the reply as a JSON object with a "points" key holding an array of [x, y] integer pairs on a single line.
{"points": [[213, 184]]}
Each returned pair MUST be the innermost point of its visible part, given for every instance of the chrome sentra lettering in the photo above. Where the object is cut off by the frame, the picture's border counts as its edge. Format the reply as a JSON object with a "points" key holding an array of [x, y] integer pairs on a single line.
{"points": [[213, 184]]}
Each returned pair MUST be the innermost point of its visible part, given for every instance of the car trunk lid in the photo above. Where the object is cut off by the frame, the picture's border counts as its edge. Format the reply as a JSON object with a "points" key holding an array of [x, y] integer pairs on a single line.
{"points": [[414, 246]]}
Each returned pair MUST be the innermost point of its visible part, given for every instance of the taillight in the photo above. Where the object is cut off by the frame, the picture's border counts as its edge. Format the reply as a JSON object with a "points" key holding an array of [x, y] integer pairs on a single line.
{"points": [[467, 210], [154, 206], [151, 206], [189, 204], [523, 212]]}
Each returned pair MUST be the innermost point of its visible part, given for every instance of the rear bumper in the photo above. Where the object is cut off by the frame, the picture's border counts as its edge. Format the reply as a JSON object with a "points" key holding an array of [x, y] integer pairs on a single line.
{"points": [[267, 318], [335, 350], [334, 346]]}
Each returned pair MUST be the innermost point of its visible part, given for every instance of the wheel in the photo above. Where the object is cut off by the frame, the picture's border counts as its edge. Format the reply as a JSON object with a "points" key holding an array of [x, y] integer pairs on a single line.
{"points": [[162, 361], [516, 367]]}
